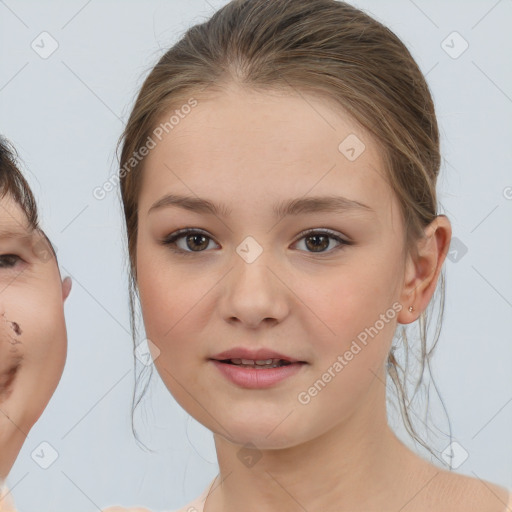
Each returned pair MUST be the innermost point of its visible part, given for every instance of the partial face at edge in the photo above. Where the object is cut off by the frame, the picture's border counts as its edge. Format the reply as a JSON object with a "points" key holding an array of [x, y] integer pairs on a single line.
{"points": [[32, 328], [304, 296]]}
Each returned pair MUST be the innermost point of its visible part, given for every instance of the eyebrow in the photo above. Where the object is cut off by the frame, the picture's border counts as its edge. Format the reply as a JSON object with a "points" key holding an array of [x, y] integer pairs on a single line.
{"points": [[6, 233], [298, 206]]}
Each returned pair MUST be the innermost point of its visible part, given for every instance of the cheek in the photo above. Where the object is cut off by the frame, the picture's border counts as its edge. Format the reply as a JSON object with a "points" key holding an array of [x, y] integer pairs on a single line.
{"points": [[165, 299], [40, 317], [341, 303], [353, 312], [11, 356], [173, 311], [34, 321]]}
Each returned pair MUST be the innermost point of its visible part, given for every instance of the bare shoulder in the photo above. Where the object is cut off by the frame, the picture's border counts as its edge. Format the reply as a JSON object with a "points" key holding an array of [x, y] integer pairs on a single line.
{"points": [[429, 487], [461, 493]]}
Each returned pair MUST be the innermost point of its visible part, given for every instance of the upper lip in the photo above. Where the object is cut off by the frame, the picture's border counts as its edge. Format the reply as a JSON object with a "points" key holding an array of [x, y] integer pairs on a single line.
{"points": [[255, 355]]}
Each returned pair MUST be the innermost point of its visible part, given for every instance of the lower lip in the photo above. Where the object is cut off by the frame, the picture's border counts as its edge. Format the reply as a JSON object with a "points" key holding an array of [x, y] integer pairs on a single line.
{"points": [[253, 378]]}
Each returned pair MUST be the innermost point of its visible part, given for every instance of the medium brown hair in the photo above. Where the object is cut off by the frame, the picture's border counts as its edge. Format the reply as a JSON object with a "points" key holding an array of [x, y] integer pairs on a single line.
{"points": [[322, 47]]}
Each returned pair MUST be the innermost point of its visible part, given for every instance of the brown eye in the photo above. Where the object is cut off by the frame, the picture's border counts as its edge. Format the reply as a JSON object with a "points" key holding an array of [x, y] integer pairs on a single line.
{"points": [[192, 240], [319, 241], [195, 241], [9, 260]]}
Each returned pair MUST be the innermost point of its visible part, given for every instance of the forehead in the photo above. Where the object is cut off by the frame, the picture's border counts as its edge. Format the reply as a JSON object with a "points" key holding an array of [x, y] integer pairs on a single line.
{"points": [[244, 144], [13, 220]]}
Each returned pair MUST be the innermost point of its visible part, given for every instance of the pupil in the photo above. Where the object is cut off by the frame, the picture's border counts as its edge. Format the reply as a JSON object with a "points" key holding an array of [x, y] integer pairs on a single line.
{"points": [[315, 245], [194, 238]]}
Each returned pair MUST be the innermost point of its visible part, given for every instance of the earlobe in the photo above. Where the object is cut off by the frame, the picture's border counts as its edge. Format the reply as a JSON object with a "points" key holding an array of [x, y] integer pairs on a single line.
{"points": [[409, 311], [66, 287], [423, 268]]}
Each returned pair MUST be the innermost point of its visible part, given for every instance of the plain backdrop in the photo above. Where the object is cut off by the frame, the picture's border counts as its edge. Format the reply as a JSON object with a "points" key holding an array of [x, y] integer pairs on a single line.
{"points": [[65, 111]]}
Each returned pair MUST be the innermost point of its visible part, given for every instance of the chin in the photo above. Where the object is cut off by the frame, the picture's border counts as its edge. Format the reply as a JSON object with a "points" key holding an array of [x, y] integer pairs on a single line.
{"points": [[263, 443], [263, 435]]}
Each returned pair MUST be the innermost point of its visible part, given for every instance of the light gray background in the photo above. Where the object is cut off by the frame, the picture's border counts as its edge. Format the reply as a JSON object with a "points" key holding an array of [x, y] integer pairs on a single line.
{"points": [[65, 113]]}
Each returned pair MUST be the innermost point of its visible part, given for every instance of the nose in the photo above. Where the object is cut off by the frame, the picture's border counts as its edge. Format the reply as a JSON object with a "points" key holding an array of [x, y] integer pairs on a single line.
{"points": [[255, 293]]}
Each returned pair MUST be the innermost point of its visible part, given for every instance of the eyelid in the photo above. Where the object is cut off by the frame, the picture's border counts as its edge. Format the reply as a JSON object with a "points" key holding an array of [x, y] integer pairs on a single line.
{"points": [[321, 231], [170, 240], [11, 254], [21, 247], [185, 231], [19, 260]]}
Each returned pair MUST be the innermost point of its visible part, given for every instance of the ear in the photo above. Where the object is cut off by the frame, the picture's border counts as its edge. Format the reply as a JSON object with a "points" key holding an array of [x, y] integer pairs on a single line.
{"points": [[66, 287], [422, 268]]}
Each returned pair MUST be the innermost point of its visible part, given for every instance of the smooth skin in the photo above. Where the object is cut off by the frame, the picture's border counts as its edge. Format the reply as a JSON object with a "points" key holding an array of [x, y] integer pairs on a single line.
{"points": [[251, 150], [33, 337]]}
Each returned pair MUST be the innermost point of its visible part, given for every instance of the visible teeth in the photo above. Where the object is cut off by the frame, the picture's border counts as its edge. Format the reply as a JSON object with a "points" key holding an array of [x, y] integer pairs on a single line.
{"points": [[259, 363]]}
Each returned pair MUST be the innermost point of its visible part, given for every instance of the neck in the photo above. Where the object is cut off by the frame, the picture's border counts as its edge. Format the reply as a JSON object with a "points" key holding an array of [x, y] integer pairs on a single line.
{"points": [[358, 464]]}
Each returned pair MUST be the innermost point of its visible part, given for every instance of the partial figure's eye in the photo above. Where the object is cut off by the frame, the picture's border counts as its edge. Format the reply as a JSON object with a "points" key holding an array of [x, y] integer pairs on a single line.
{"points": [[9, 260]]}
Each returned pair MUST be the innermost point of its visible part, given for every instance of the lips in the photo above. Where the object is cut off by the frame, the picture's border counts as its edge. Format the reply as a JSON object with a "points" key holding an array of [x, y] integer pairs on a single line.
{"points": [[262, 356], [258, 363], [256, 369]]}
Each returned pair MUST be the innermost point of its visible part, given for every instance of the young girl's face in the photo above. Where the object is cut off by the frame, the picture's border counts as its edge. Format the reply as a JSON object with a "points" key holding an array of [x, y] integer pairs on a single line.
{"points": [[248, 278], [32, 328]]}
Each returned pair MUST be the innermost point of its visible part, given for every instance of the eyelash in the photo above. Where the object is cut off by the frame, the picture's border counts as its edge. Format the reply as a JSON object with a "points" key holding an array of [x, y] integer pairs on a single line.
{"points": [[4, 257], [172, 238]]}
